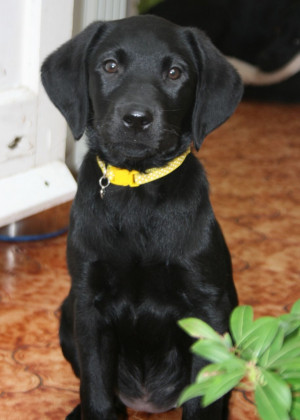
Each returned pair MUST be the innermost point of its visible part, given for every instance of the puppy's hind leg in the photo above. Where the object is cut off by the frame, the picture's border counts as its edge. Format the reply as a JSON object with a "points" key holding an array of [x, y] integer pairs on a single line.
{"points": [[76, 413], [66, 334], [192, 410], [120, 409]]}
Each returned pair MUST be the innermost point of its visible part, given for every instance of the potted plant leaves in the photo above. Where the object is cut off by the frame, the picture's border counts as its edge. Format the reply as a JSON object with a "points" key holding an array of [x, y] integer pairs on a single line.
{"points": [[262, 356]]}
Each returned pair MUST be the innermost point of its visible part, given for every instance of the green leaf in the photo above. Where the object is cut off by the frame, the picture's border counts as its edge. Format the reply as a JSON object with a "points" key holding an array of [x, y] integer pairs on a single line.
{"points": [[211, 350], [289, 351], [290, 365], [199, 329], [295, 387], [215, 380], [228, 341], [265, 406], [220, 385], [210, 370], [273, 398], [295, 411], [274, 348], [292, 378], [289, 371], [296, 308], [241, 320], [258, 338], [213, 369], [289, 323], [191, 391]]}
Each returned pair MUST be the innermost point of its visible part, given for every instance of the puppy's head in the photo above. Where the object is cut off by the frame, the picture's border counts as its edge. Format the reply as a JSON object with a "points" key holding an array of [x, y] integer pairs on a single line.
{"points": [[142, 87]]}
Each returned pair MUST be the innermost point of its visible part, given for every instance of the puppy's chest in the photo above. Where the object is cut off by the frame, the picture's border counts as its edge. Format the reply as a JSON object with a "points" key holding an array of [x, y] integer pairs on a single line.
{"points": [[142, 306], [139, 297], [143, 232]]}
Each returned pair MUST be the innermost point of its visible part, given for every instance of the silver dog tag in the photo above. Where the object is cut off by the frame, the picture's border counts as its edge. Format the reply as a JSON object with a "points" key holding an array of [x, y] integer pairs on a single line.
{"points": [[104, 183]]}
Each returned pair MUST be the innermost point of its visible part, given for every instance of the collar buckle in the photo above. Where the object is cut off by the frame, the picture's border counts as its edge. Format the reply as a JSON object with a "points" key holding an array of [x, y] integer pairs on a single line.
{"points": [[123, 177]]}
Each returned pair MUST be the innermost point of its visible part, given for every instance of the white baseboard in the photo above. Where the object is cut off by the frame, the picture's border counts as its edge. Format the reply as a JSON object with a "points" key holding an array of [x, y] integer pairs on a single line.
{"points": [[35, 190]]}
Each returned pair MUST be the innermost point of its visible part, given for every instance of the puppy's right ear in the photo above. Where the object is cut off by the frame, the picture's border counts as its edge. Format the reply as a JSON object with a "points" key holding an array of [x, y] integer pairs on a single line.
{"points": [[65, 79], [219, 88]]}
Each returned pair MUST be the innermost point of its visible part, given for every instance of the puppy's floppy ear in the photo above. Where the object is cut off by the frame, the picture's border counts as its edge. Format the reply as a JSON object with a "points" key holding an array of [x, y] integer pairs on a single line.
{"points": [[219, 87], [64, 76]]}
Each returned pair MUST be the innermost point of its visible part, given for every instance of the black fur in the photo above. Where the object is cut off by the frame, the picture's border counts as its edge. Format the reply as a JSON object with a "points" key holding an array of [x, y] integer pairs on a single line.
{"points": [[142, 258], [264, 33]]}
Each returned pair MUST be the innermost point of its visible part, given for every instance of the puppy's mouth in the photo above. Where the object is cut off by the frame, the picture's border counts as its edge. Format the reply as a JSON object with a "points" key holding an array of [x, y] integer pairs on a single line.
{"points": [[135, 150], [141, 151]]}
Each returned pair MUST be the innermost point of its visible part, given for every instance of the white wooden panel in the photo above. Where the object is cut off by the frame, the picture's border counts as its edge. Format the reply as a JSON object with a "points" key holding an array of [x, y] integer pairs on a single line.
{"points": [[35, 190], [30, 44], [17, 122], [56, 28], [33, 133], [111, 9], [19, 43], [29, 31], [11, 31], [88, 11]]}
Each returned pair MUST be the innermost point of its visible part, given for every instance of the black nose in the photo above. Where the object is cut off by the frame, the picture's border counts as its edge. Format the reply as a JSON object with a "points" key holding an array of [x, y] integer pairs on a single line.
{"points": [[138, 120]]}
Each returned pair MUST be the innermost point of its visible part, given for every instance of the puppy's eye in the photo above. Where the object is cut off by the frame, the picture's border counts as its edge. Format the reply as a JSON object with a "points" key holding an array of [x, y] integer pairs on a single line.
{"points": [[111, 66], [174, 73]]}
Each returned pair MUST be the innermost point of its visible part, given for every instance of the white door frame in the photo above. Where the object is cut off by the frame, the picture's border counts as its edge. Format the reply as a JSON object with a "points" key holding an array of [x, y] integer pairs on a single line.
{"points": [[33, 133]]}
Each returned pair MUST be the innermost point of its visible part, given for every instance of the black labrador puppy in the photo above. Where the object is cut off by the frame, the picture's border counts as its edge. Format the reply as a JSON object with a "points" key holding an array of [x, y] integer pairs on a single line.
{"points": [[147, 250]]}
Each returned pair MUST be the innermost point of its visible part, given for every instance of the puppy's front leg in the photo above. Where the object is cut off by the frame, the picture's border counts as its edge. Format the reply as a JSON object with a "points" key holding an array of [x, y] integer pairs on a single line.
{"points": [[98, 364], [192, 410]]}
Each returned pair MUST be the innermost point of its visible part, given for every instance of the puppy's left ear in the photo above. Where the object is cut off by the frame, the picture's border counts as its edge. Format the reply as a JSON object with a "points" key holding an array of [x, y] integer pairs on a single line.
{"points": [[64, 76], [219, 87]]}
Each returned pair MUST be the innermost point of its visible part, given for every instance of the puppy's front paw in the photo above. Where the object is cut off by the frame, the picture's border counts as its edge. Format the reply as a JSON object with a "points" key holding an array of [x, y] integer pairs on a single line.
{"points": [[76, 414]]}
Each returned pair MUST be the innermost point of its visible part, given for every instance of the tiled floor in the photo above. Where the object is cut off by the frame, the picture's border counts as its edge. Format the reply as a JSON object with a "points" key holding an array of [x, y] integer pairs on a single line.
{"points": [[254, 170]]}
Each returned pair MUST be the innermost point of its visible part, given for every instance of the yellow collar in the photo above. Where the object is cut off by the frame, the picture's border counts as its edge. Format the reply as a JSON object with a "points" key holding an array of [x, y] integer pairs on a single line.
{"points": [[118, 176]]}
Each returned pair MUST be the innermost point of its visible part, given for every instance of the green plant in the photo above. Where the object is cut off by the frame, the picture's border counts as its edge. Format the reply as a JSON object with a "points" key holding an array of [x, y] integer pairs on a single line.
{"points": [[144, 5], [262, 356]]}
